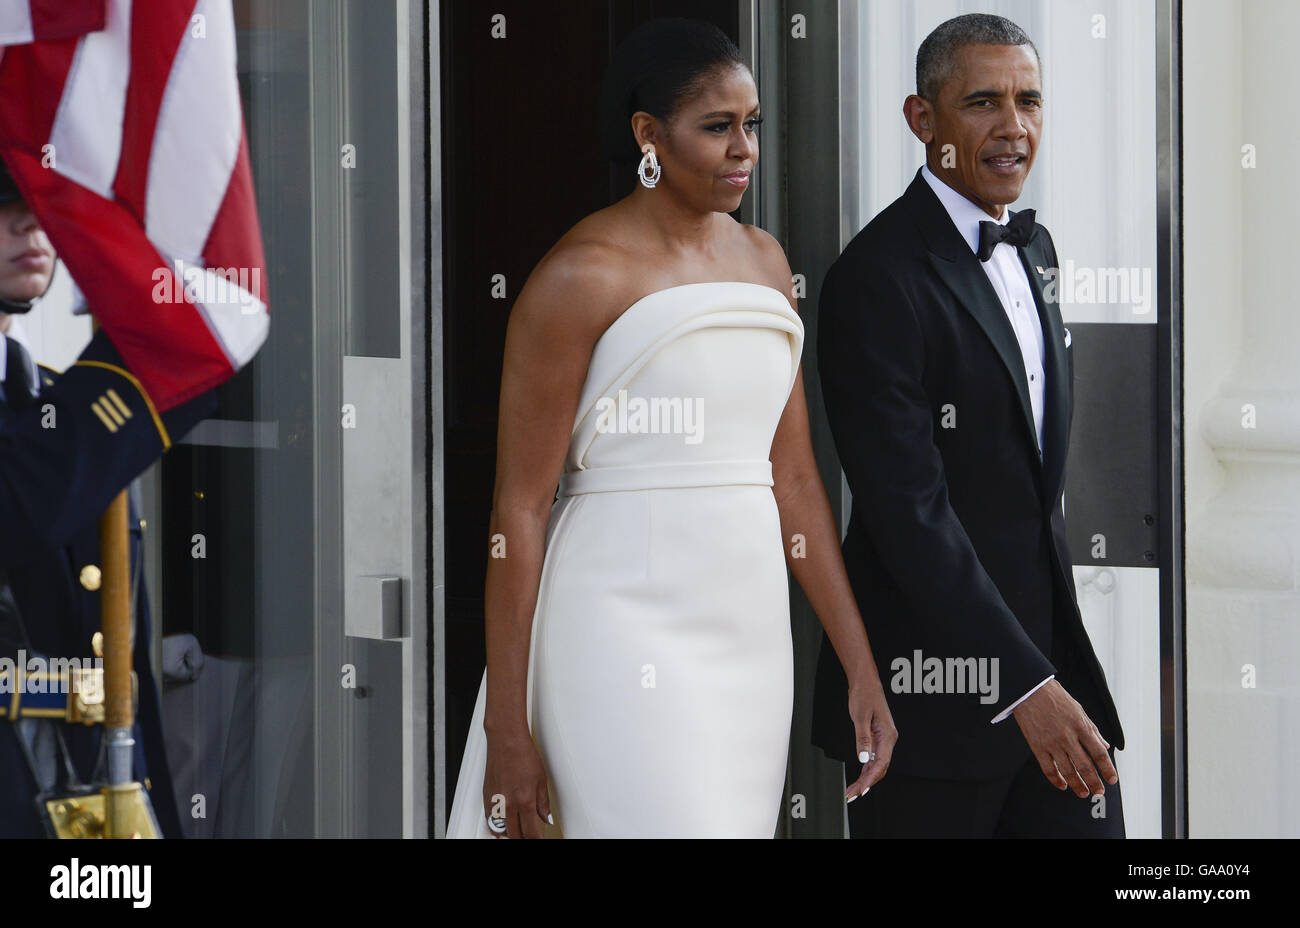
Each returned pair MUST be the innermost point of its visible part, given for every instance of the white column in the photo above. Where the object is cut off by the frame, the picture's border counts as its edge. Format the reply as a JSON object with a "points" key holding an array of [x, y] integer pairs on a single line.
{"points": [[1242, 368]]}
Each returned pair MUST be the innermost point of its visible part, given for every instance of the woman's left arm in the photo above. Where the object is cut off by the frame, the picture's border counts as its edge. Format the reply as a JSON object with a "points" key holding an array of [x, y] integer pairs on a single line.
{"points": [[812, 550], [811, 540]]}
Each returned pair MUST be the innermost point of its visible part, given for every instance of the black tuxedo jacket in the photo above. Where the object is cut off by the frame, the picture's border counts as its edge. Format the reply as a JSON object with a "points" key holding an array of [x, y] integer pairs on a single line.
{"points": [[956, 543]]}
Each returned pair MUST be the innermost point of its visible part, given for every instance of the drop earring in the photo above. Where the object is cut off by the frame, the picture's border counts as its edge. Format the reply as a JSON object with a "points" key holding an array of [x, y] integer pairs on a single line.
{"points": [[648, 158]]}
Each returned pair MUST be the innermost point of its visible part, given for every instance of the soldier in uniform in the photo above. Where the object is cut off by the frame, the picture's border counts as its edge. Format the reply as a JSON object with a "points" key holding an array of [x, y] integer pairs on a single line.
{"points": [[69, 443]]}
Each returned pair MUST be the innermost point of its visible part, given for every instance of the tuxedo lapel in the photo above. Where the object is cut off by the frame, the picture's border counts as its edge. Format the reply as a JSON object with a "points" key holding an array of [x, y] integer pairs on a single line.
{"points": [[1056, 371], [960, 270]]}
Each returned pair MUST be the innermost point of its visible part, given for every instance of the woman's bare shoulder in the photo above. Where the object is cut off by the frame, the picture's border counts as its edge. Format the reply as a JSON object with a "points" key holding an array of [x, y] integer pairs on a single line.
{"points": [[767, 257], [585, 277]]}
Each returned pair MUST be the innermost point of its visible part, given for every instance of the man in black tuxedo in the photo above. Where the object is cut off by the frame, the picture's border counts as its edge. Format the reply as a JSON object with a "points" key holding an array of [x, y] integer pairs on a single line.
{"points": [[947, 378]]}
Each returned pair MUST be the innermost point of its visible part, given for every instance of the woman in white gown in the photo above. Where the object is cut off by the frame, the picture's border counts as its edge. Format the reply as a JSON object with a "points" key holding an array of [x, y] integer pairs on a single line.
{"points": [[640, 671]]}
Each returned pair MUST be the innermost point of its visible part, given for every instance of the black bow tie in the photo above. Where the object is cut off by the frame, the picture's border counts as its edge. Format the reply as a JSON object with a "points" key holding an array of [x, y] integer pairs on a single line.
{"points": [[1016, 232], [17, 383]]}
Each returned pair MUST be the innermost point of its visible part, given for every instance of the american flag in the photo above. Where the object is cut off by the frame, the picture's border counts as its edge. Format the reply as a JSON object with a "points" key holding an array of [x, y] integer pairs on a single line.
{"points": [[120, 121]]}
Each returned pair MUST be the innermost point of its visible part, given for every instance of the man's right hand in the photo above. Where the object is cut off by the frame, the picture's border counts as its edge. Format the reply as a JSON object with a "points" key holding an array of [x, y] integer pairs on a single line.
{"points": [[1069, 748]]}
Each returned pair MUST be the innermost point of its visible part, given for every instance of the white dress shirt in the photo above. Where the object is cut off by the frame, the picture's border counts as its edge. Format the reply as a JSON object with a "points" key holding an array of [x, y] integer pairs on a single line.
{"points": [[16, 333], [1011, 283]]}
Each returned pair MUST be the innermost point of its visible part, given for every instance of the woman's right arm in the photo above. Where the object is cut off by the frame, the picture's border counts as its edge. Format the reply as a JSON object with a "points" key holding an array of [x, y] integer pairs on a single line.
{"points": [[553, 326]]}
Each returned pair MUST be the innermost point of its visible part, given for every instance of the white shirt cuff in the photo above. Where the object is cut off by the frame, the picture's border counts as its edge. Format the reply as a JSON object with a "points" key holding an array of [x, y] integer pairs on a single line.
{"points": [[1009, 709]]}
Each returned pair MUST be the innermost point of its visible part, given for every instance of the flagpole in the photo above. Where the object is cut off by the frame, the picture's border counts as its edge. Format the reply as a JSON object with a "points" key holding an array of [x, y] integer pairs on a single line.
{"points": [[119, 712], [127, 812]]}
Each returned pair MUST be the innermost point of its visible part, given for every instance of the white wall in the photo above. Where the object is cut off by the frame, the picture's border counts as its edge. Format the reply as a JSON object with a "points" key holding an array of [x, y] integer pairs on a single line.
{"points": [[1242, 408], [53, 335]]}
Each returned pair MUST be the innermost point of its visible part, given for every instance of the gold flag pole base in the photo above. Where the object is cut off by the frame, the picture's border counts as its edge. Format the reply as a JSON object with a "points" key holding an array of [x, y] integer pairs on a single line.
{"points": [[128, 813], [121, 811]]}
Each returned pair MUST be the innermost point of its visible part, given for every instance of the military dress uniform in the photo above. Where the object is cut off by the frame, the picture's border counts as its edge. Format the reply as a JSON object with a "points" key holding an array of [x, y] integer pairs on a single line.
{"points": [[68, 446]]}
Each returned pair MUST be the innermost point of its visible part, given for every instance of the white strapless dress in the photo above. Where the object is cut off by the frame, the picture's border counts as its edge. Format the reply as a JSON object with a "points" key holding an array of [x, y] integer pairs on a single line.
{"points": [[660, 677]]}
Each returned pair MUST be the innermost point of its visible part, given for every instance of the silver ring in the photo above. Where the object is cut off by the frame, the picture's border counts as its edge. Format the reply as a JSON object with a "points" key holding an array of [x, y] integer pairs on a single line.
{"points": [[496, 824]]}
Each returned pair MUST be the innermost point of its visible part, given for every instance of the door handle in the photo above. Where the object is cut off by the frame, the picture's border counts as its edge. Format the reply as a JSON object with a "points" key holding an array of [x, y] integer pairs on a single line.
{"points": [[374, 607]]}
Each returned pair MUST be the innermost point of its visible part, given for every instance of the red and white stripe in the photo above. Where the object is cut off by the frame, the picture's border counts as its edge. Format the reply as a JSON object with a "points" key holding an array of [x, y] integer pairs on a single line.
{"points": [[39, 20], [128, 142]]}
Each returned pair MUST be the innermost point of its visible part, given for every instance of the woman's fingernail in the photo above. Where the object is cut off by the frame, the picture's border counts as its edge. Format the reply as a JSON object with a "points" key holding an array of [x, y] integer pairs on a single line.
{"points": [[851, 798], [867, 790], [550, 819], [864, 756]]}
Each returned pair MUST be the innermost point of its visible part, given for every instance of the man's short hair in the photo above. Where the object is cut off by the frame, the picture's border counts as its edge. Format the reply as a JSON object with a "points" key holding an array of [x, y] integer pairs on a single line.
{"points": [[935, 58]]}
